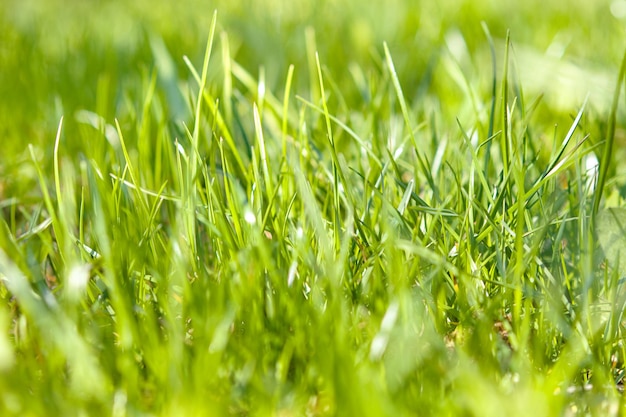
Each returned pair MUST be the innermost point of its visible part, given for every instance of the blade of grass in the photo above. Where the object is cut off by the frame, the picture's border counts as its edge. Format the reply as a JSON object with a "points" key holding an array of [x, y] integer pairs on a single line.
{"points": [[191, 178], [407, 119], [505, 138], [286, 96], [607, 152]]}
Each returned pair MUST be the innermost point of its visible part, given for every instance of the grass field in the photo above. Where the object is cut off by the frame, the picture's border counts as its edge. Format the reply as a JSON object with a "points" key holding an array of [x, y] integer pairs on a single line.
{"points": [[312, 208]]}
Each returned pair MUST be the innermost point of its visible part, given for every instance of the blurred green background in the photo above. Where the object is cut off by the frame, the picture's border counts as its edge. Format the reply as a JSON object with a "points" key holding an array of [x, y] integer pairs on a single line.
{"points": [[56, 54]]}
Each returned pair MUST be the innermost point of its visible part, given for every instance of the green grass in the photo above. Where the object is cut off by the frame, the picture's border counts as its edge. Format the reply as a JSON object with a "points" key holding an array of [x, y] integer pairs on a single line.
{"points": [[325, 208]]}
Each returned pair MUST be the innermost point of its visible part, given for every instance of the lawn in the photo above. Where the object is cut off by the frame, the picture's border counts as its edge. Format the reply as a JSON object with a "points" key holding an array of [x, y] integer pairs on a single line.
{"points": [[312, 208]]}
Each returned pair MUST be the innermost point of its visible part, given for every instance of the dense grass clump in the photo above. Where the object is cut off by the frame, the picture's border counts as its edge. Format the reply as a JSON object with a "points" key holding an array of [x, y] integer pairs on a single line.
{"points": [[325, 208]]}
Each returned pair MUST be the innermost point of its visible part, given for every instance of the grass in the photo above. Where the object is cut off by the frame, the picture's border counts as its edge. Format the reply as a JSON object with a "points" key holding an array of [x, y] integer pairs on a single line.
{"points": [[330, 209]]}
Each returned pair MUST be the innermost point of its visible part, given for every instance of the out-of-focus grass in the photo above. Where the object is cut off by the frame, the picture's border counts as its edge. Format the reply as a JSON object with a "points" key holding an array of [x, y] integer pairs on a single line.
{"points": [[58, 48], [310, 222]]}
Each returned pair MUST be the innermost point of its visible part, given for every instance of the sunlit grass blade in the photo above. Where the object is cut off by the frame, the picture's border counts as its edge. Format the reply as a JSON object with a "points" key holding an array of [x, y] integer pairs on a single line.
{"points": [[607, 152], [407, 119]]}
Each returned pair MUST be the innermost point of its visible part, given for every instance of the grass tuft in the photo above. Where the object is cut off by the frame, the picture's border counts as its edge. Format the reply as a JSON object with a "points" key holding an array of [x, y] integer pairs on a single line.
{"points": [[306, 225]]}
